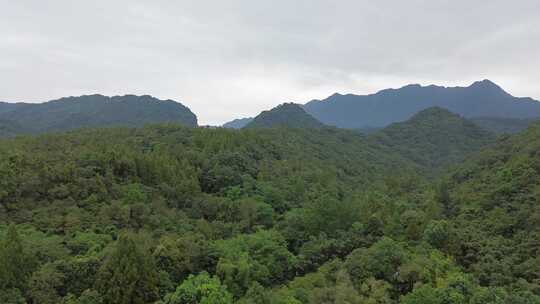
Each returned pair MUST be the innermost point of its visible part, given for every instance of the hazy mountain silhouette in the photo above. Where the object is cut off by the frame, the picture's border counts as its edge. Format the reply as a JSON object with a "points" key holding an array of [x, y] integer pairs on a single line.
{"points": [[285, 115], [237, 123], [481, 99], [93, 111]]}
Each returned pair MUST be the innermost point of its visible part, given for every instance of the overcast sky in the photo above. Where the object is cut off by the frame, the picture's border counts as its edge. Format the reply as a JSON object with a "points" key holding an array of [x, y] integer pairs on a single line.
{"points": [[233, 58]]}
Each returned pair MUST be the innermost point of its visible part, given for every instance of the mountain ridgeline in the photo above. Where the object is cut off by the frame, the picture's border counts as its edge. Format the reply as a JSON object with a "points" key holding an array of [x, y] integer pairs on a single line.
{"points": [[91, 111], [481, 99], [285, 115]]}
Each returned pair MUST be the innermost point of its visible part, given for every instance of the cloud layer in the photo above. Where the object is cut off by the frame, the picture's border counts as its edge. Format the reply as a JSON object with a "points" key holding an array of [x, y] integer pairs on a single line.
{"points": [[228, 59]]}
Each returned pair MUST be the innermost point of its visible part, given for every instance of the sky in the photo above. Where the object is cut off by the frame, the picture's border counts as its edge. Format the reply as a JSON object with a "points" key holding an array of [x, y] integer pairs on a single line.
{"points": [[226, 59]]}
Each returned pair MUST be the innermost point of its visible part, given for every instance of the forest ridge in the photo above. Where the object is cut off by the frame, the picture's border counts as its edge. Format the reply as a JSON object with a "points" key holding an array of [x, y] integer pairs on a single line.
{"points": [[107, 200]]}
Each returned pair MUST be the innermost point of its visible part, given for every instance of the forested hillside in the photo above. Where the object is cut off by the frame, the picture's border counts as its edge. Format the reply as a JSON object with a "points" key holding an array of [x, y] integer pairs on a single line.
{"points": [[434, 138], [169, 214], [94, 212], [285, 115], [501, 125], [91, 111], [493, 203]]}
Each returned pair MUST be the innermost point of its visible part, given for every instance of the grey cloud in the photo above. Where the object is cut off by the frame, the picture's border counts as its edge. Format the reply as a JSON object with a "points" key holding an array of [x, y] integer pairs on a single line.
{"points": [[226, 59]]}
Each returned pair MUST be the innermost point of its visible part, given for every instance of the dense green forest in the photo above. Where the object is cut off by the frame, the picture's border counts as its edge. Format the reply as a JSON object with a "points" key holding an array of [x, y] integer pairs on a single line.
{"points": [[434, 138], [502, 125], [168, 214]]}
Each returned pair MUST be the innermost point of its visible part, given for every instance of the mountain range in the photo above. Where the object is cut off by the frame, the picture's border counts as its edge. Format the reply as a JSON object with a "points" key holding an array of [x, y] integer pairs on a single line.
{"points": [[481, 99], [484, 101], [91, 111]]}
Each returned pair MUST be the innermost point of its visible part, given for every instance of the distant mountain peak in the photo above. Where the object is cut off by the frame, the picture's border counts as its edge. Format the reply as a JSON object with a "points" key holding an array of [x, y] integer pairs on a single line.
{"points": [[481, 99], [485, 84], [95, 111], [335, 95], [285, 115]]}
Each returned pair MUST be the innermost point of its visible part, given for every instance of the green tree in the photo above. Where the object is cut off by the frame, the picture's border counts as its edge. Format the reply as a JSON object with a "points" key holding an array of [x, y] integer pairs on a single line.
{"points": [[262, 257], [437, 234], [15, 264], [46, 285], [11, 296], [200, 289], [128, 275], [423, 295], [89, 296]]}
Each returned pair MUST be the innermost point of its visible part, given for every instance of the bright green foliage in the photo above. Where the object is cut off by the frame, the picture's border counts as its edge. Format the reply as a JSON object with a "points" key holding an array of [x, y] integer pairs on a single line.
{"points": [[200, 289], [497, 222], [261, 257], [167, 213], [180, 256], [380, 261], [128, 275]]}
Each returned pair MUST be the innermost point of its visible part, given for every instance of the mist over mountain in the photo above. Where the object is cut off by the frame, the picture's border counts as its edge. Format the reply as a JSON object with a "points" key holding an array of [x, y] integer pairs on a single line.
{"points": [[285, 115], [481, 99], [92, 111]]}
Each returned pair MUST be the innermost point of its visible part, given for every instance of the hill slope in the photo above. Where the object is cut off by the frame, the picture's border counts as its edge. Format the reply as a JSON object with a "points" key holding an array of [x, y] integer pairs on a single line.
{"points": [[283, 215], [95, 111], [434, 137], [500, 125], [286, 115], [494, 204], [481, 99], [237, 123]]}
